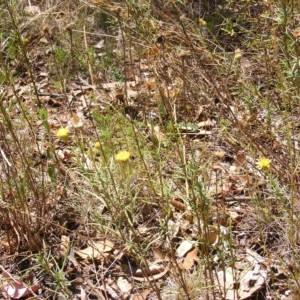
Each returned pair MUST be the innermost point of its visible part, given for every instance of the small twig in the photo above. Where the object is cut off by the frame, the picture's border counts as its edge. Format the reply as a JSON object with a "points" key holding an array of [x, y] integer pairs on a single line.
{"points": [[5, 158], [88, 58]]}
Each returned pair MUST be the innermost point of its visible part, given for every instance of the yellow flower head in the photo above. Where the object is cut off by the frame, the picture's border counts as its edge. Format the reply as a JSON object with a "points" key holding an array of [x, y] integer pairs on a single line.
{"points": [[263, 163], [238, 54], [202, 22], [97, 146], [63, 133], [123, 156]]}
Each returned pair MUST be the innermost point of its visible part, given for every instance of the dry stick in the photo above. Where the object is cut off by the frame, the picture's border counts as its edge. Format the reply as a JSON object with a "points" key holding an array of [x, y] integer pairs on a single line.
{"points": [[135, 134], [69, 28], [56, 65], [23, 50], [90, 67], [210, 275], [124, 61]]}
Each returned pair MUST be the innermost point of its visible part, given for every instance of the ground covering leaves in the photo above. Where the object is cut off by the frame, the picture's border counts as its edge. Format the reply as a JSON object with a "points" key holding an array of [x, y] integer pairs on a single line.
{"points": [[149, 149]]}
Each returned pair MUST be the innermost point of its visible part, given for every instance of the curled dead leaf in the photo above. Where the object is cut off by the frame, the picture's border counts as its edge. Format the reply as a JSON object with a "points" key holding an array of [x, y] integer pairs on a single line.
{"points": [[154, 277], [178, 205], [152, 270]]}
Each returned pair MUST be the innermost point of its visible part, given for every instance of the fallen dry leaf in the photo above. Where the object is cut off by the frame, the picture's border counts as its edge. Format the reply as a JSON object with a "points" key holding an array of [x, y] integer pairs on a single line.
{"points": [[251, 283], [97, 251], [219, 154], [124, 286], [157, 137], [227, 281], [15, 288], [184, 248], [152, 270], [178, 205], [64, 245], [32, 10], [158, 253], [142, 295], [190, 259], [154, 277]]}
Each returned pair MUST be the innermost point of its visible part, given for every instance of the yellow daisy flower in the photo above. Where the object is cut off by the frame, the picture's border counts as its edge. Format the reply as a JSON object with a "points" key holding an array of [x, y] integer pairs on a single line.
{"points": [[263, 163], [97, 146], [123, 156], [63, 133]]}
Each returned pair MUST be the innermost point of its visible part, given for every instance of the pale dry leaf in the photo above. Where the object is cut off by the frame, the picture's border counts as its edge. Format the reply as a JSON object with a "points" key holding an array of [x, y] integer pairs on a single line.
{"points": [[142, 295], [124, 286], [32, 10], [64, 245], [245, 63], [143, 229], [227, 280], [112, 291], [251, 282], [43, 40], [96, 289], [86, 102], [219, 154], [158, 253], [110, 86], [76, 121], [15, 288], [254, 258], [240, 159], [207, 123], [132, 94], [157, 137], [119, 94], [116, 85], [100, 45], [173, 229], [190, 259], [97, 251], [234, 216], [60, 154], [184, 248], [98, 2], [82, 294], [231, 295]]}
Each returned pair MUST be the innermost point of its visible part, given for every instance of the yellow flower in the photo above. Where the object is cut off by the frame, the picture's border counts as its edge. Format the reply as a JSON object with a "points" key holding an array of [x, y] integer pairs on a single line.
{"points": [[97, 146], [238, 54], [123, 156], [202, 22], [263, 163], [63, 133]]}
